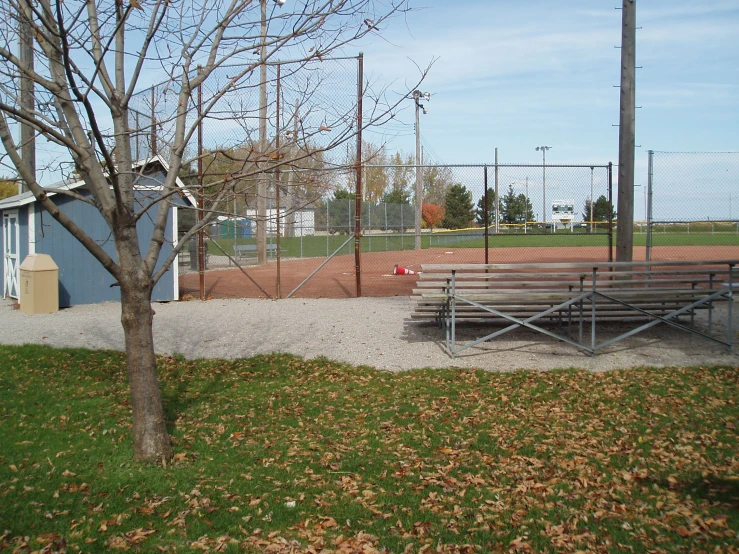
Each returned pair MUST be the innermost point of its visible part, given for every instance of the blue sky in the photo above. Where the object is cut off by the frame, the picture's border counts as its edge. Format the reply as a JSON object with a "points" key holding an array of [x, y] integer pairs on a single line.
{"points": [[516, 75]]}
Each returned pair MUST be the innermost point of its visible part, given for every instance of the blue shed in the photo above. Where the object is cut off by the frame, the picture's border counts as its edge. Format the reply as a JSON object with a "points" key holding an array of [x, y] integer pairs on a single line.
{"points": [[28, 229]]}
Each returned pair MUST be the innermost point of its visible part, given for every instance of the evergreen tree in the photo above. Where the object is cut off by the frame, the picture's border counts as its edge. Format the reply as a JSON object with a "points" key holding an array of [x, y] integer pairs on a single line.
{"points": [[396, 196], [527, 210], [516, 208], [602, 210], [458, 207], [480, 211], [509, 208]]}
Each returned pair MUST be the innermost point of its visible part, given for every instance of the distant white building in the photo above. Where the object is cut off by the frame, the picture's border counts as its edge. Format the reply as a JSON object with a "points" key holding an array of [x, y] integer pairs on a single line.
{"points": [[295, 224]]}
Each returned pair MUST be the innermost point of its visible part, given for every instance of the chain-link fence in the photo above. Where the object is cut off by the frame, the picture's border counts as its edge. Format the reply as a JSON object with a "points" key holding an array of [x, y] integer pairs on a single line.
{"points": [[694, 208], [274, 160], [263, 145], [456, 227]]}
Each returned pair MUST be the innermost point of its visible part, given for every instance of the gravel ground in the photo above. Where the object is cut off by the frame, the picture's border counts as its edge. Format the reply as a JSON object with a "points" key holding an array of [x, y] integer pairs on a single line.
{"points": [[365, 331]]}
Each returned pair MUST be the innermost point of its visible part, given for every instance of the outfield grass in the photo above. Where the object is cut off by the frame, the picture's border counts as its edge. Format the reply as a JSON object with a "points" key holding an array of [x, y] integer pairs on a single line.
{"points": [[279, 454], [319, 246]]}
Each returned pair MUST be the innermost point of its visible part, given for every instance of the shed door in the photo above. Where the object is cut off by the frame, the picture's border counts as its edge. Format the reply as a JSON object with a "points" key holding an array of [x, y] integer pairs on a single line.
{"points": [[11, 244]]}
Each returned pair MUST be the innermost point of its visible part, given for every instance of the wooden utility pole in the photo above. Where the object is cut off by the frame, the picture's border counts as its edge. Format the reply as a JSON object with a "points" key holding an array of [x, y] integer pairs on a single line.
{"points": [[28, 101], [626, 135], [419, 176]]}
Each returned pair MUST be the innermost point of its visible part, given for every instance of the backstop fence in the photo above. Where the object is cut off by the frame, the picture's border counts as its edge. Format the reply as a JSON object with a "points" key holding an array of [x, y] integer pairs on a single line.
{"points": [[278, 160], [691, 203], [534, 213]]}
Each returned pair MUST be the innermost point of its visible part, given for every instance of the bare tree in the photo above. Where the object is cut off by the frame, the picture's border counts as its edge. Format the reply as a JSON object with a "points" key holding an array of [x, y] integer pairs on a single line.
{"points": [[90, 58]]}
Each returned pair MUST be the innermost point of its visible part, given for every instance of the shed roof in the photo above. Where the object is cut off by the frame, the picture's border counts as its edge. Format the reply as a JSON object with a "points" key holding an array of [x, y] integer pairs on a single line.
{"points": [[28, 197]]}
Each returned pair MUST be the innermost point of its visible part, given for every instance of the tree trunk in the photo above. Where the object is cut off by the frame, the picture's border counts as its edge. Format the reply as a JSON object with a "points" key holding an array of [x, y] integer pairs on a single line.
{"points": [[150, 437]]}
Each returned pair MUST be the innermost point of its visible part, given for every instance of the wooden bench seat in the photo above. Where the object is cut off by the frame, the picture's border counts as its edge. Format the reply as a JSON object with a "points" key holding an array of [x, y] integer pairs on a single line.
{"points": [[243, 251]]}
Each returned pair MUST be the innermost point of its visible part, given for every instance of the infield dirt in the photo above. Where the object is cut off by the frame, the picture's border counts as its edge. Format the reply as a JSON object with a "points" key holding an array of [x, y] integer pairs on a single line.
{"points": [[337, 279]]}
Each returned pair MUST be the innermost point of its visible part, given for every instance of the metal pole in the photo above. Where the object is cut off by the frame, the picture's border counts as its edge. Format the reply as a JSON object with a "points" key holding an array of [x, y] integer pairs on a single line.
{"points": [[261, 218], [201, 237], [645, 203], [153, 126], [526, 209], [591, 197], [593, 298], [730, 315], [277, 178], [384, 205], [138, 136], [28, 99], [610, 211], [454, 311], [626, 132], [485, 208], [402, 229], [497, 202], [544, 185], [419, 184], [650, 177], [358, 194]]}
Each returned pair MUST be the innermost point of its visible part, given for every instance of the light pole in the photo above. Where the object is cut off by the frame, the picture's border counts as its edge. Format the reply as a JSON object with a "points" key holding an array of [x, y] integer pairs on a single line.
{"points": [[417, 96], [544, 182], [261, 219]]}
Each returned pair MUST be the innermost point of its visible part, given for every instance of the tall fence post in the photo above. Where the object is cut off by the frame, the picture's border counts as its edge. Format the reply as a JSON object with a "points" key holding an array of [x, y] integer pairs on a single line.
{"points": [[610, 211], [650, 176], [138, 136], [384, 204], [485, 208], [497, 197], [358, 194], [277, 181], [153, 126], [402, 229], [201, 235]]}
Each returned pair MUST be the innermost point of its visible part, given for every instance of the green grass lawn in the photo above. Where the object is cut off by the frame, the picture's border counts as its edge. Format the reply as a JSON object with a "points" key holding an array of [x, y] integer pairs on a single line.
{"points": [[279, 454]]}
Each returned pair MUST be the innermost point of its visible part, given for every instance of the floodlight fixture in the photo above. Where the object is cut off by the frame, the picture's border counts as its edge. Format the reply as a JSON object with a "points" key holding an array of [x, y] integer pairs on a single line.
{"points": [[280, 2]]}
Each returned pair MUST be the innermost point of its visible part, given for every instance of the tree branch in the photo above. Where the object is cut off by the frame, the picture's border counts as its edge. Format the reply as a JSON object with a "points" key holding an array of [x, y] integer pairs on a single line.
{"points": [[105, 260]]}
